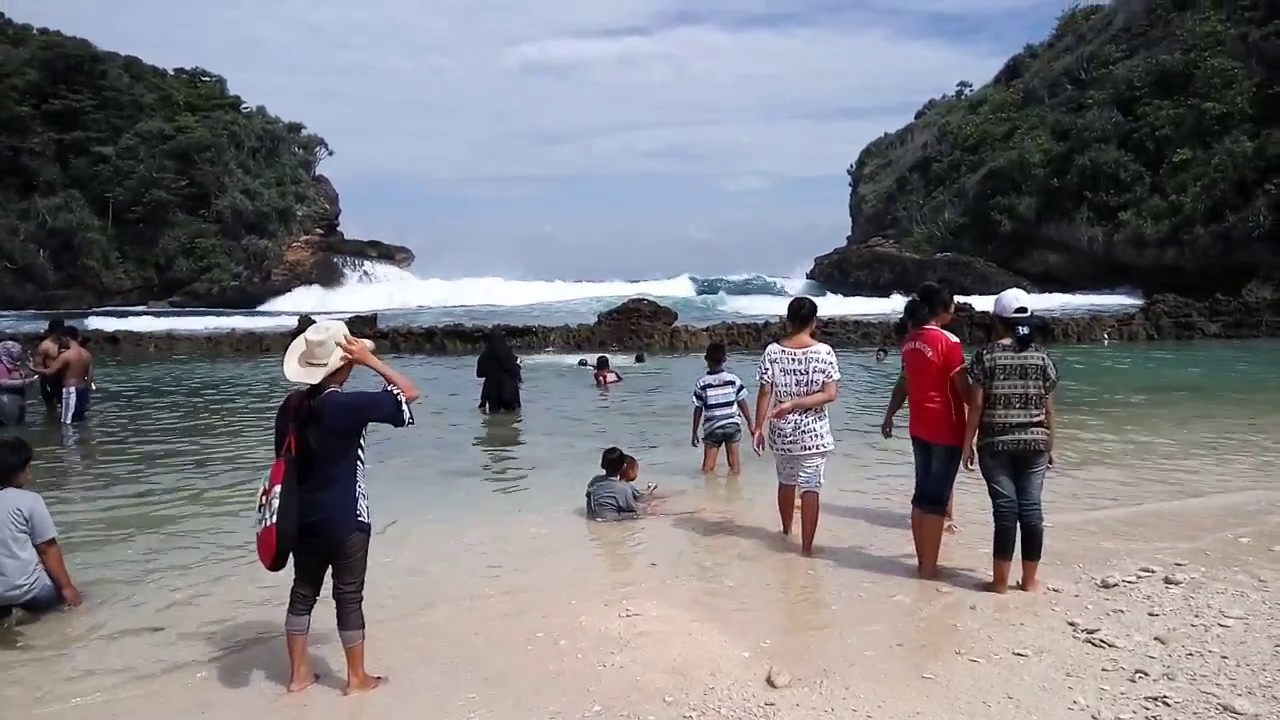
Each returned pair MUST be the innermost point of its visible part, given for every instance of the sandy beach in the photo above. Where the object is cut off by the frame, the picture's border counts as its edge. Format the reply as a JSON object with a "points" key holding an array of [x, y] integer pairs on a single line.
{"points": [[1157, 611]]}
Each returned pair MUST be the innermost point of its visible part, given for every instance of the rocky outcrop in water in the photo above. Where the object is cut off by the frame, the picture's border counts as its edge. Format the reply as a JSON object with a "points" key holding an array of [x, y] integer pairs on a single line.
{"points": [[881, 267], [643, 325]]}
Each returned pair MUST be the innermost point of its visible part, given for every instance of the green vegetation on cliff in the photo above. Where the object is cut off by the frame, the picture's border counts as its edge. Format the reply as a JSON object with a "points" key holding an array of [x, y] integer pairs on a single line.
{"points": [[125, 182], [1138, 146]]}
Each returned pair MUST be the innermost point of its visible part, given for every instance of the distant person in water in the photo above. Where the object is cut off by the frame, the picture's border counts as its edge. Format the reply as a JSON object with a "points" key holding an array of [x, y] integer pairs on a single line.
{"points": [[582, 362], [331, 425], [799, 377], [719, 411], [640, 358], [613, 495], [14, 381], [75, 367], [1010, 431], [882, 354], [33, 571], [604, 375], [499, 367], [934, 385], [47, 351]]}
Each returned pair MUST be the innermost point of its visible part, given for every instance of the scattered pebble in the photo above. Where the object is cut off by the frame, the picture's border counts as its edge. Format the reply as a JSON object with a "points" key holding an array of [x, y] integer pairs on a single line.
{"points": [[1129, 579], [1176, 579], [1150, 570], [1168, 638], [1226, 623], [1155, 612], [778, 678], [927, 676], [1236, 706], [1235, 614], [1109, 582], [1074, 622], [1020, 652], [1180, 563], [628, 613]]}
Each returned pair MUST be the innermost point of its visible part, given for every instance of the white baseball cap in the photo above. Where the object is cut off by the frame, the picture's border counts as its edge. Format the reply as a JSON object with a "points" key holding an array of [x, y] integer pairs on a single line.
{"points": [[1012, 303]]}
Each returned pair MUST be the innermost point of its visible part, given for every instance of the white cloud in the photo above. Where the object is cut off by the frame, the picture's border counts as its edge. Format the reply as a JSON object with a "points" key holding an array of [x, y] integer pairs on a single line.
{"points": [[471, 89]]}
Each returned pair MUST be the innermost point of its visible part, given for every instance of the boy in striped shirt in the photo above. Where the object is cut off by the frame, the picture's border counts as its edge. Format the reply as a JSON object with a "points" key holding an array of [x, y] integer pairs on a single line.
{"points": [[718, 397]]}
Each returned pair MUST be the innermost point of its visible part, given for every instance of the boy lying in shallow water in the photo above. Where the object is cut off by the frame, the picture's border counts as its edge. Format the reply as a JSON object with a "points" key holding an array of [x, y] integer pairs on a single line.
{"points": [[613, 495]]}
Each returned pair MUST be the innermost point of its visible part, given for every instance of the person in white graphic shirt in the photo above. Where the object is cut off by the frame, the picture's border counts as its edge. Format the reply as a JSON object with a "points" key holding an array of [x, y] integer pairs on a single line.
{"points": [[798, 378]]}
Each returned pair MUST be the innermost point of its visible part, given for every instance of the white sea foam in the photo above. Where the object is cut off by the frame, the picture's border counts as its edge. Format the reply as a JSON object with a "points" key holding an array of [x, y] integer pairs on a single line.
{"points": [[839, 305], [377, 287]]}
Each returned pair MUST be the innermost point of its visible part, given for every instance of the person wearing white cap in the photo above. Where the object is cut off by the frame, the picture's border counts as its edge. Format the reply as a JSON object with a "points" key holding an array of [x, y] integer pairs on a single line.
{"points": [[1010, 431], [333, 530]]}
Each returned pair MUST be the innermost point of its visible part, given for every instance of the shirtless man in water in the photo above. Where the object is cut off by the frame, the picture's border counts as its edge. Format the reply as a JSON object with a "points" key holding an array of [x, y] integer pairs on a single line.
{"points": [[75, 366], [46, 352]]}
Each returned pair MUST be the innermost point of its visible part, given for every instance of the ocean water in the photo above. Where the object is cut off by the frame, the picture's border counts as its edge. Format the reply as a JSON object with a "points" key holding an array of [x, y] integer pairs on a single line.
{"points": [[402, 298], [154, 496]]}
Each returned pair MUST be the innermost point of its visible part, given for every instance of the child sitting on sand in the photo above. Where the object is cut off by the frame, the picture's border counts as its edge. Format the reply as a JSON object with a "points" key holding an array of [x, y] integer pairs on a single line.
{"points": [[604, 375], [613, 495]]}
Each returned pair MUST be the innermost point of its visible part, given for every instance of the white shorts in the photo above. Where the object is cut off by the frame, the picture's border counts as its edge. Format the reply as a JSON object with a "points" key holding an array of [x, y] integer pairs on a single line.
{"points": [[803, 471]]}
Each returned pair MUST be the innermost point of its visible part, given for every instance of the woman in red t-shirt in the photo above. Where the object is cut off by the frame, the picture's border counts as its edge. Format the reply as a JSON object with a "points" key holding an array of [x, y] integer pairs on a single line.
{"points": [[935, 390]]}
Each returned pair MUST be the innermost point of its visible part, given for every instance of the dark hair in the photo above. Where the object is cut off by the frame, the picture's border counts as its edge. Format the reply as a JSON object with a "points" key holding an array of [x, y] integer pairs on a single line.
{"points": [[716, 354], [1021, 329], [15, 457], [930, 301], [602, 362], [639, 358], [56, 327], [71, 332], [613, 460], [882, 351], [801, 313]]}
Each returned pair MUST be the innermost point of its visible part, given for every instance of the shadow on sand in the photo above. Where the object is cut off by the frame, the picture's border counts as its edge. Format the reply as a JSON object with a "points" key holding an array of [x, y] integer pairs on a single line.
{"points": [[852, 557], [892, 519], [245, 649]]}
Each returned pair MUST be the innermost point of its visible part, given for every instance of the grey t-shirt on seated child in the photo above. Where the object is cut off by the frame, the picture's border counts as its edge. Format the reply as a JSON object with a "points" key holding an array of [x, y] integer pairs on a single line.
{"points": [[24, 523], [611, 498]]}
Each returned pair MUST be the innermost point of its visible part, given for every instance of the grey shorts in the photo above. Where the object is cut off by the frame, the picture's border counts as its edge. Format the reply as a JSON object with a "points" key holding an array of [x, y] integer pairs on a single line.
{"points": [[716, 437], [803, 471]]}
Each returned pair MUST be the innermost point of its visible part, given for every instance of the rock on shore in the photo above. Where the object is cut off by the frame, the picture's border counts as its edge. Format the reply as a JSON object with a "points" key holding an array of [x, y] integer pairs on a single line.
{"points": [[642, 324]]}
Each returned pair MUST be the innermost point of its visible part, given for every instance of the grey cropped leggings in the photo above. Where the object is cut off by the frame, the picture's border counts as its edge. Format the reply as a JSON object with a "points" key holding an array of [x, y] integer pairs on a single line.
{"points": [[312, 560]]}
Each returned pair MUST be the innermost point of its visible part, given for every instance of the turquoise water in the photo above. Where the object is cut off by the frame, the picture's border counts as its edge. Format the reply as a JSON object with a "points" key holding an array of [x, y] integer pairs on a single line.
{"points": [[154, 497]]}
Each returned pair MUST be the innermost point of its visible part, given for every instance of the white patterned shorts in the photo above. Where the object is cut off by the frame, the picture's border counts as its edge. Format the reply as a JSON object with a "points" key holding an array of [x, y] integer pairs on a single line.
{"points": [[803, 471]]}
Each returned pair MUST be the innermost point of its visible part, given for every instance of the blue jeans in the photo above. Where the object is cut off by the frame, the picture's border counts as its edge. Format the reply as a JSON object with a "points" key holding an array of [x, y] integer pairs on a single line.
{"points": [[1015, 482], [46, 598], [936, 468]]}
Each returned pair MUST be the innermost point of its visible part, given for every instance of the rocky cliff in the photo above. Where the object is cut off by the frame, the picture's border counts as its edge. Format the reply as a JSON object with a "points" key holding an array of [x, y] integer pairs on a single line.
{"points": [[122, 183], [1138, 146]]}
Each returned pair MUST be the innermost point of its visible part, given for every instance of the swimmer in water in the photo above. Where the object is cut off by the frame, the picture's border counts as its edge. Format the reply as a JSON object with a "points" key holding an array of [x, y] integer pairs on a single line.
{"points": [[613, 495], [604, 375], [882, 354], [582, 362], [74, 365], [640, 358], [46, 352]]}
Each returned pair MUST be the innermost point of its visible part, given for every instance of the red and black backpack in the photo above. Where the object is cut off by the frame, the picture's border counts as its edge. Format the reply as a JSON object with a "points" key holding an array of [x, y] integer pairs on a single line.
{"points": [[278, 497]]}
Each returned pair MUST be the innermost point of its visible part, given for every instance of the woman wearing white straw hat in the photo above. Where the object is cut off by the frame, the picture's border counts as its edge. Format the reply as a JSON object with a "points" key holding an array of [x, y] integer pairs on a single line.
{"points": [[329, 427]]}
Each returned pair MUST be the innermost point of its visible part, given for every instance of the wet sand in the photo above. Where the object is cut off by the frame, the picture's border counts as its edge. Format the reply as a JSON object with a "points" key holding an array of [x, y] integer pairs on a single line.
{"points": [[683, 617]]}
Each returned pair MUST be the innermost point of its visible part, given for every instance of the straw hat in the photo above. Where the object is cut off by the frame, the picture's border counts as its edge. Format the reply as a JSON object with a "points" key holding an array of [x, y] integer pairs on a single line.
{"points": [[317, 353]]}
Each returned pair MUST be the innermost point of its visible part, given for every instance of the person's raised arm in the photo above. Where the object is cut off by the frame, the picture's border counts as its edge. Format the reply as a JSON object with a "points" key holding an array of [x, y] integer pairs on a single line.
{"points": [[359, 354], [58, 365]]}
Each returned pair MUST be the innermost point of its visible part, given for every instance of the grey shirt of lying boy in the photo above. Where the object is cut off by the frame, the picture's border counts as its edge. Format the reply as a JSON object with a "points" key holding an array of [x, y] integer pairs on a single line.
{"points": [[609, 498]]}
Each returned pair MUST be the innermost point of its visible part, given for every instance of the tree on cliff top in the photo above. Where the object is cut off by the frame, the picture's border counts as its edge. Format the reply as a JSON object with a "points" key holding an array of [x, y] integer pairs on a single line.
{"points": [[1139, 145], [124, 182]]}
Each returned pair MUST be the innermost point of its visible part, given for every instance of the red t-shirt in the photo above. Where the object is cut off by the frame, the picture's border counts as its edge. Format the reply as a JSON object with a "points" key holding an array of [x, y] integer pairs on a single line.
{"points": [[931, 357]]}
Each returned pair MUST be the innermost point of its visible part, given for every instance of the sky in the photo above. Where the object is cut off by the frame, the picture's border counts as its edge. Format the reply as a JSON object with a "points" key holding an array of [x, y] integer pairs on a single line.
{"points": [[612, 139]]}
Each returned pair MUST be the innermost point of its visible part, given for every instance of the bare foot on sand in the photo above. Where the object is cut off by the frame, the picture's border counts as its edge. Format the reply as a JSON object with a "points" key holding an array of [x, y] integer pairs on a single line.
{"points": [[308, 679], [1029, 586], [363, 685], [994, 587]]}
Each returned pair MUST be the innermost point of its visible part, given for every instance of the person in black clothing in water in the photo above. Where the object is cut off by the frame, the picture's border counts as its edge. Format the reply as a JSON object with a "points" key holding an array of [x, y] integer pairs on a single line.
{"points": [[499, 367], [329, 426]]}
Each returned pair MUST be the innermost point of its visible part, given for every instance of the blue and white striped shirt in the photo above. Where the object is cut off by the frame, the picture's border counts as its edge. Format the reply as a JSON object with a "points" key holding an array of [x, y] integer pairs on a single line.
{"points": [[718, 394]]}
